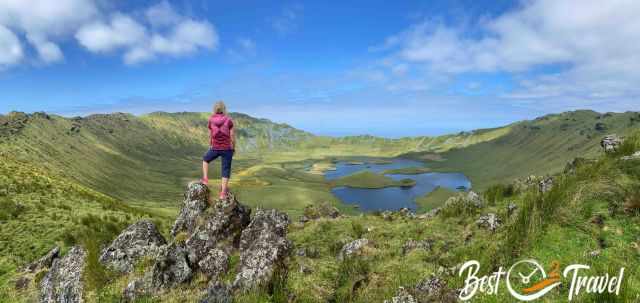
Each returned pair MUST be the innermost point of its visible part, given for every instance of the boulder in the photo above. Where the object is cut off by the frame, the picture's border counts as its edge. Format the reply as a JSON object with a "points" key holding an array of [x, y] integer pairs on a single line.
{"points": [[63, 282], [352, 248], [489, 221], [44, 262], [407, 213], [171, 267], [135, 289], [136, 241], [611, 143], [413, 244], [430, 214], [219, 226], [215, 263], [196, 200], [434, 289], [263, 248]]}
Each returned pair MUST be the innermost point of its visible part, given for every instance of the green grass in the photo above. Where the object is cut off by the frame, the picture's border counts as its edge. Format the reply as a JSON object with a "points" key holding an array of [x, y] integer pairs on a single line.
{"points": [[407, 171], [434, 199], [367, 179]]}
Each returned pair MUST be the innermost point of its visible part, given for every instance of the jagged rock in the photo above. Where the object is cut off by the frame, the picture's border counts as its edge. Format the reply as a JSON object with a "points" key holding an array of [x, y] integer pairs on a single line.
{"points": [[634, 156], [475, 199], [263, 247], [352, 248], [402, 296], [44, 262], [489, 221], [413, 244], [511, 208], [136, 241], [63, 282], [214, 263], [196, 200], [387, 215], [217, 293], [171, 267], [545, 184], [611, 143], [219, 226]]}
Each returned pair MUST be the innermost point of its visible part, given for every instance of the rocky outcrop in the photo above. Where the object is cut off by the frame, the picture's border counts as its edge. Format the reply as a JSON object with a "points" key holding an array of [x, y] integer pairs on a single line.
{"points": [[136, 241], [171, 267], [263, 248], [196, 200], [219, 226], [63, 282], [469, 202], [489, 221], [611, 143], [353, 248], [430, 214], [44, 262]]}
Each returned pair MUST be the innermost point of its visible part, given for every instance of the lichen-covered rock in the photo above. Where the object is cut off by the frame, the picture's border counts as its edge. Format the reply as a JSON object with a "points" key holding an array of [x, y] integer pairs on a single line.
{"points": [[218, 226], [430, 214], [171, 267], [413, 244], [402, 296], [217, 293], [475, 199], [63, 282], [611, 143], [196, 200], [407, 213], [136, 241], [489, 221], [545, 185], [263, 247], [215, 263], [634, 156], [352, 248], [44, 262], [135, 289]]}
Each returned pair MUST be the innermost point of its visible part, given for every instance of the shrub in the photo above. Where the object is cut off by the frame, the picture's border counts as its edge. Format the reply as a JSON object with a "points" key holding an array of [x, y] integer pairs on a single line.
{"points": [[358, 229], [10, 209], [181, 237], [352, 272], [498, 192]]}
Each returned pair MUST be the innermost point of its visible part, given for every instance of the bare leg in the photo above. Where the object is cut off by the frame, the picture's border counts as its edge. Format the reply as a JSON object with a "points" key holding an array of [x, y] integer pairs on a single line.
{"points": [[225, 186], [205, 171]]}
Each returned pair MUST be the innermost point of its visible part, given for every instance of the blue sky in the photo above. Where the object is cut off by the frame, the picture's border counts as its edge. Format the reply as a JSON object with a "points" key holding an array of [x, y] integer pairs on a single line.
{"points": [[375, 67]]}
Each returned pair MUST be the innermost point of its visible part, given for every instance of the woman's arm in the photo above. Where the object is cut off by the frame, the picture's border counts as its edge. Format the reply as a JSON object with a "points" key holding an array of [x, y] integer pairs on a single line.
{"points": [[233, 139]]}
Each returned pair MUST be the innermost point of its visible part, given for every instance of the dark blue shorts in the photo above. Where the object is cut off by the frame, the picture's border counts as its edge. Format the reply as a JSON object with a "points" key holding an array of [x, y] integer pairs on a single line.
{"points": [[226, 155]]}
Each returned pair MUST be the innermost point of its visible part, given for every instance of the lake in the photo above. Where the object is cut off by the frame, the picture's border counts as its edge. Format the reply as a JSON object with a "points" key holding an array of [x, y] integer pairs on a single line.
{"points": [[392, 198]]}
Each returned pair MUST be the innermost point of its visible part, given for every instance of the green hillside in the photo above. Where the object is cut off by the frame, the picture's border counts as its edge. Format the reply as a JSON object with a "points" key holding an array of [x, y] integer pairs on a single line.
{"points": [[541, 146]]}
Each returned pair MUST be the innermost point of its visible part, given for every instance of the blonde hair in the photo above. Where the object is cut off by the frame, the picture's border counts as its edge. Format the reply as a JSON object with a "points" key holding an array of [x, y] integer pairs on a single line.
{"points": [[220, 108]]}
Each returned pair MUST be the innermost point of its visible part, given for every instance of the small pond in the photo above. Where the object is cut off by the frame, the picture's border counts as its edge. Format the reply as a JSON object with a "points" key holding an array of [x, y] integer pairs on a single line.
{"points": [[392, 198]]}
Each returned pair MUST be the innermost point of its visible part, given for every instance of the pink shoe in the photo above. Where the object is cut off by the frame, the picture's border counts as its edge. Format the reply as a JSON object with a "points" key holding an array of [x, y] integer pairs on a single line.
{"points": [[223, 195], [204, 181]]}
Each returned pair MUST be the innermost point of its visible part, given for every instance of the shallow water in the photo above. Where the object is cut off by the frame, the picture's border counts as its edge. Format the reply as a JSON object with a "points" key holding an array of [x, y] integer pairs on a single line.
{"points": [[392, 198]]}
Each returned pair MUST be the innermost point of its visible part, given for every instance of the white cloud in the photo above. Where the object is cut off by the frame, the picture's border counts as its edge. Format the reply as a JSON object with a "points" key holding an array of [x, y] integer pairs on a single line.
{"points": [[10, 48], [42, 26], [578, 48], [120, 31], [172, 35]]}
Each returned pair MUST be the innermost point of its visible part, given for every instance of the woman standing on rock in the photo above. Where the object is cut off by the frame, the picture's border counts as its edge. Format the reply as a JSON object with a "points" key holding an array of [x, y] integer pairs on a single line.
{"points": [[221, 144]]}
